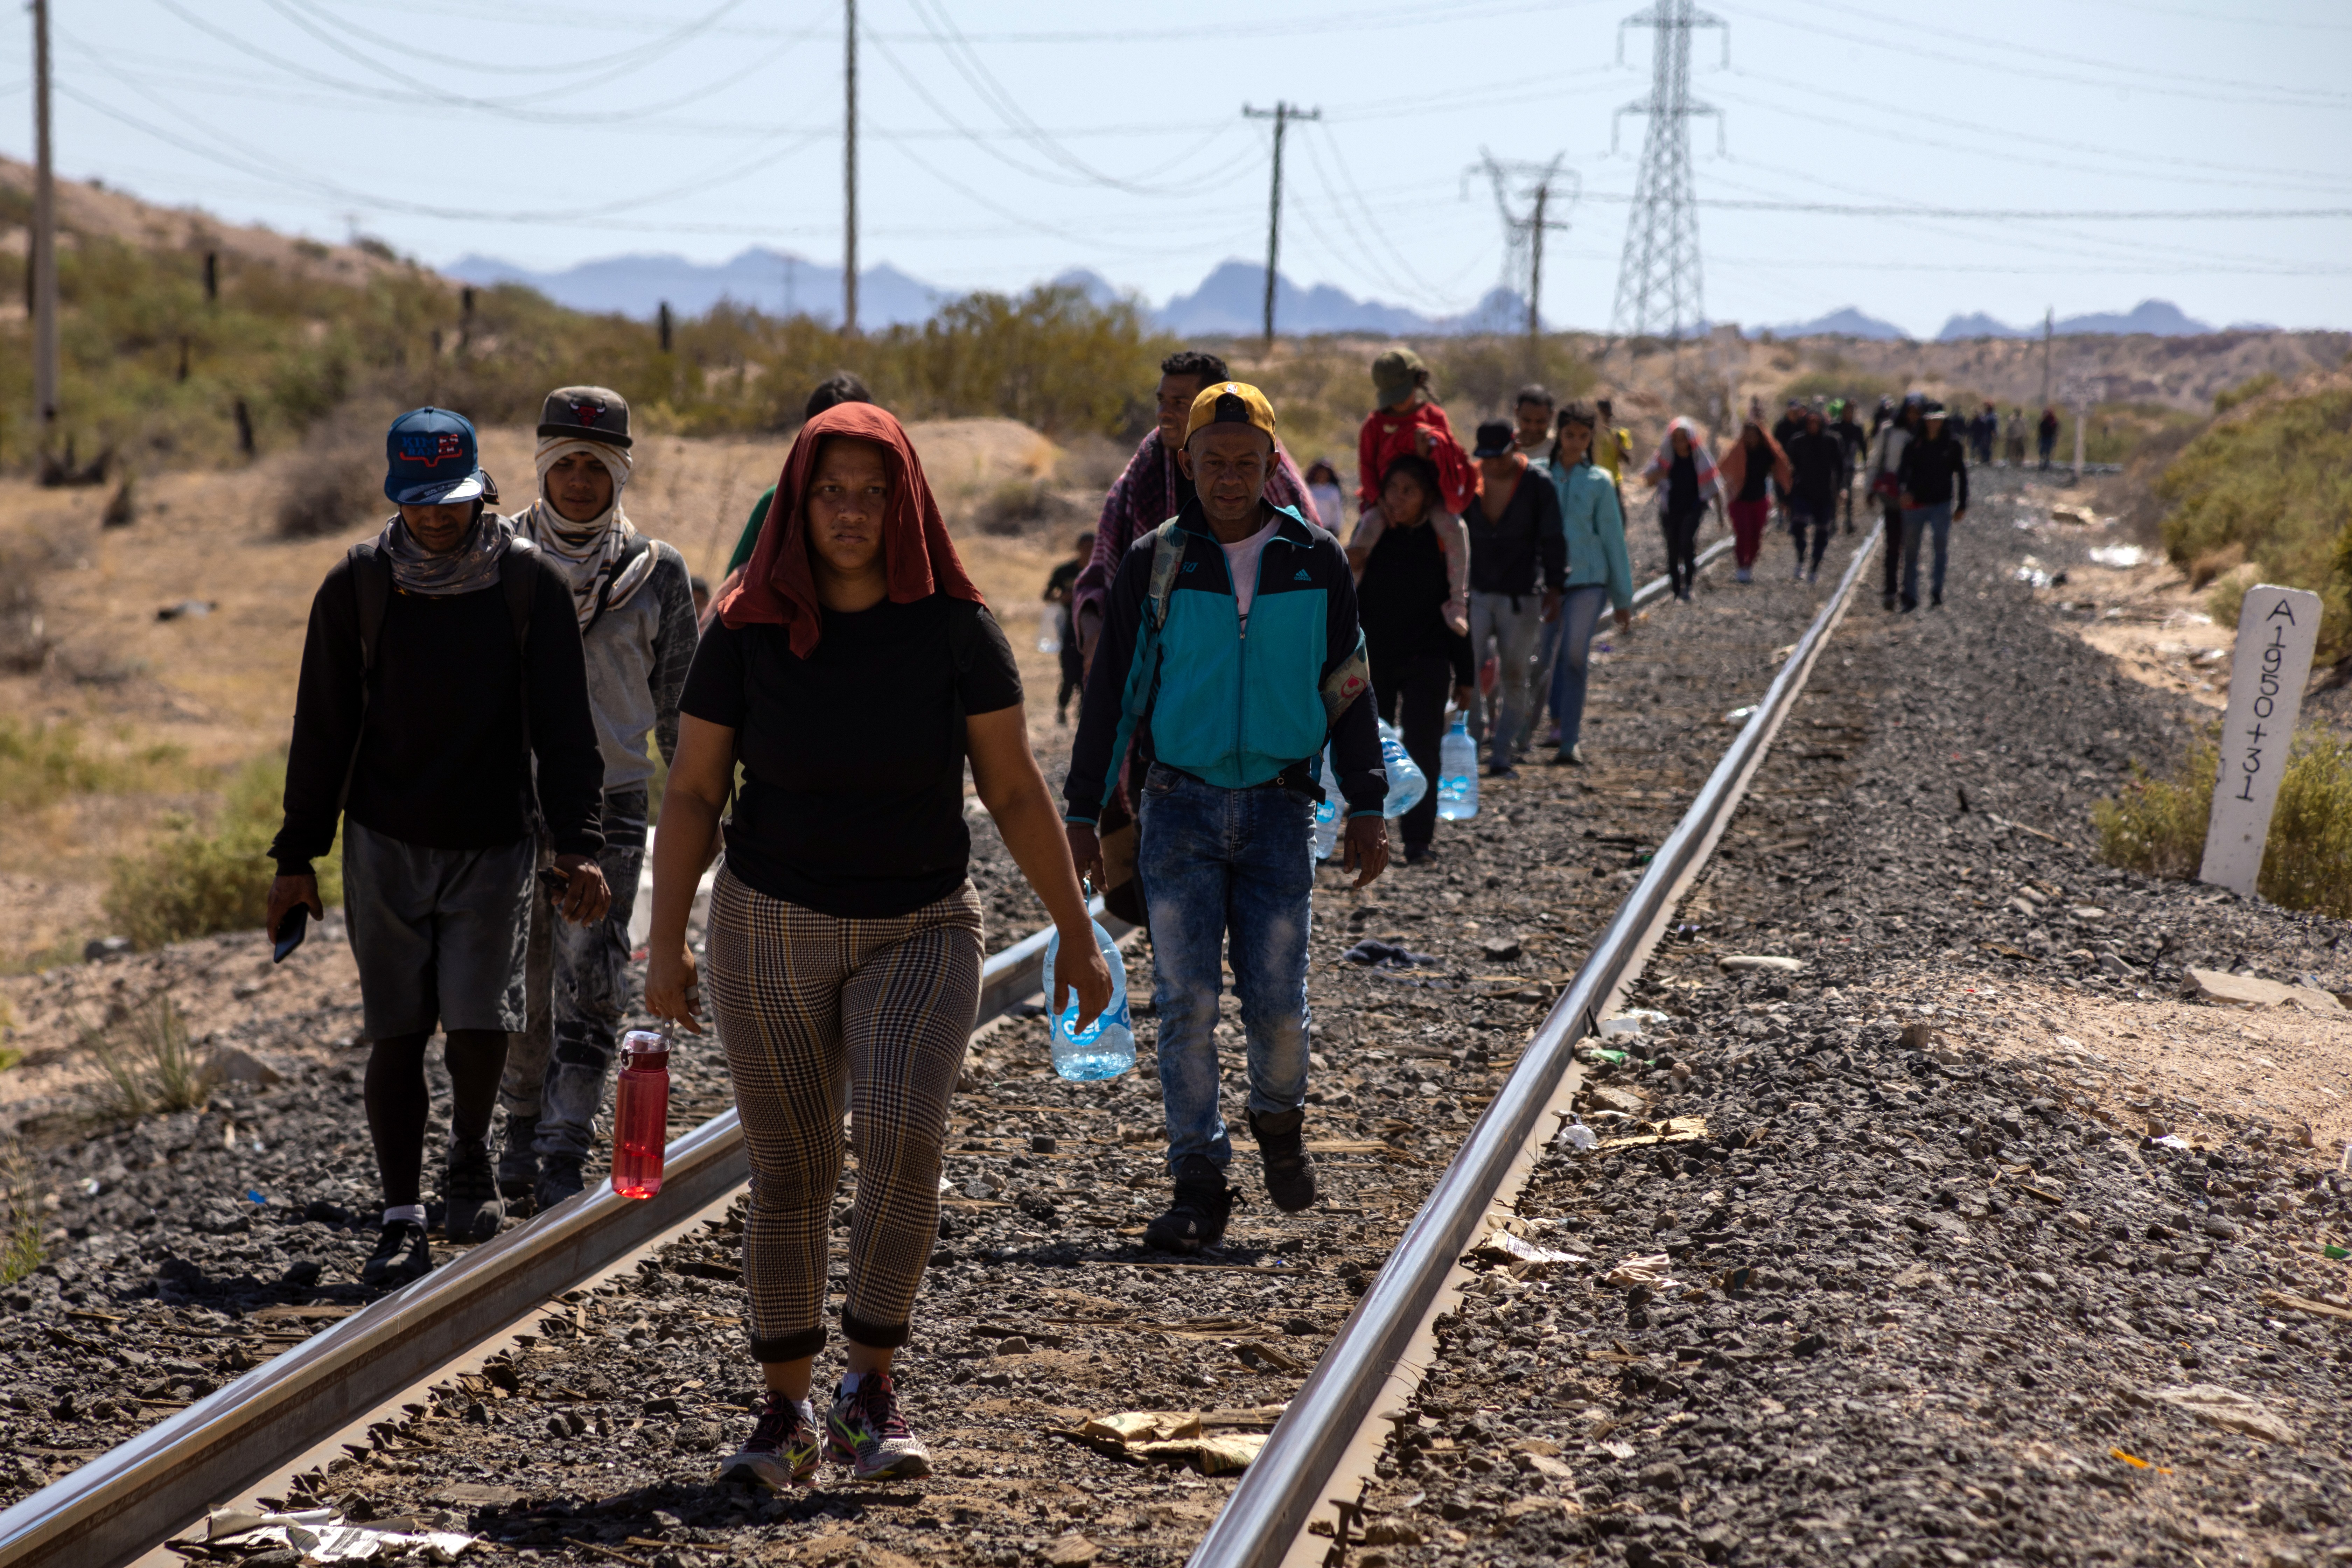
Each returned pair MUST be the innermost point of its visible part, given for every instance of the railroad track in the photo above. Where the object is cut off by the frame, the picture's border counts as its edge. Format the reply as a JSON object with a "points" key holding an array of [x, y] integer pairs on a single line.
{"points": [[122, 1503]]}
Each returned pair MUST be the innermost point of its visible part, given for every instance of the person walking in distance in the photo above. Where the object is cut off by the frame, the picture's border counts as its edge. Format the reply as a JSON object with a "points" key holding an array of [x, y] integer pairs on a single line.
{"points": [[1532, 413], [1886, 459], [1932, 482], [1058, 586], [1683, 474], [1409, 422], [1751, 466], [1323, 489], [1518, 567], [2045, 435], [1612, 446], [1155, 486], [1816, 465], [1229, 749], [1852, 446], [1418, 661], [1593, 526], [852, 671], [442, 662], [634, 599], [2012, 439]]}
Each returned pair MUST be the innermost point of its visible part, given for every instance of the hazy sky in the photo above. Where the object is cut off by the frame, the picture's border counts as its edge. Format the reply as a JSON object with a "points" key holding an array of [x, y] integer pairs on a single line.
{"points": [[1002, 143]]}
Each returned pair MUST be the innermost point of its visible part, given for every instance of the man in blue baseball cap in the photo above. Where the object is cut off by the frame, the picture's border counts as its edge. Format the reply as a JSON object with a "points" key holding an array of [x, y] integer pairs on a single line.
{"points": [[443, 659]]}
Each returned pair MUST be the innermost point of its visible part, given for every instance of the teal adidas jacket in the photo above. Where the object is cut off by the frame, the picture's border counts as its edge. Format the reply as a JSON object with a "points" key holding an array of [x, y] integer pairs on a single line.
{"points": [[1199, 696]]}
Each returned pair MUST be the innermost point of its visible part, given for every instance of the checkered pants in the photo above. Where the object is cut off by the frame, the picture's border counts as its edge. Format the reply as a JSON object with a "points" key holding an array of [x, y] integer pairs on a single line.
{"points": [[802, 1000]]}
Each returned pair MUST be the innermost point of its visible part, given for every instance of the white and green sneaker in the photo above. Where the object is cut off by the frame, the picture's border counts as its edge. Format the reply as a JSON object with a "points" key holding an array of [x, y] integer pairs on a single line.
{"points": [[866, 1432], [783, 1448]]}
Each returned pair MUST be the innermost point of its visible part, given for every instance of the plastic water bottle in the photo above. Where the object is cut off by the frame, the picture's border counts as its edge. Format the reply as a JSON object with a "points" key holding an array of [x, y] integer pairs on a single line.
{"points": [[1326, 813], [1049, 628], [641, 1114], [1105, 1047], [1407, 782], [1457, 773]]}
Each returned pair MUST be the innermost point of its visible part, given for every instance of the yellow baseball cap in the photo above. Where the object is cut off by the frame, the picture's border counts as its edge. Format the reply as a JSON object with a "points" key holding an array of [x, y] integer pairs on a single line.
{"points": [[1230, 403]]}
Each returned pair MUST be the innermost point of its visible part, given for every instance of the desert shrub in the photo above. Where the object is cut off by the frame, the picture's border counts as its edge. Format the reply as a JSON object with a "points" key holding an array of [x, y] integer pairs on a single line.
{"points": [[2273, 479], [2157, 826], [149, 1064], [42, 763], [191, 881], [21, 1249], [1865, 387], [334, 485], [2246, 391]]}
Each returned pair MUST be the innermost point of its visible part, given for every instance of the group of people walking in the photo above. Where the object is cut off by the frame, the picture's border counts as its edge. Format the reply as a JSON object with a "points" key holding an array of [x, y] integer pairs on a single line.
{"points": [[482, 698]]}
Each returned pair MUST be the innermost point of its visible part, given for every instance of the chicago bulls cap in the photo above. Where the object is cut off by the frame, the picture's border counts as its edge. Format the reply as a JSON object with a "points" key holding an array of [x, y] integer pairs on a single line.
{"points": [[586, 413], [431, 458]]}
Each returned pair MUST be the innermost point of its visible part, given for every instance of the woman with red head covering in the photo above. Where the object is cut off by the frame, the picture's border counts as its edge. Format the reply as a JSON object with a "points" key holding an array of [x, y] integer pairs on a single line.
{"points": [[851, 672]]}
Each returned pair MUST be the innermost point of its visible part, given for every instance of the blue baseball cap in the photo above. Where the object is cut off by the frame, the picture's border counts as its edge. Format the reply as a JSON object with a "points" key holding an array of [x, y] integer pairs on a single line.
{"points": [[431, 458]]}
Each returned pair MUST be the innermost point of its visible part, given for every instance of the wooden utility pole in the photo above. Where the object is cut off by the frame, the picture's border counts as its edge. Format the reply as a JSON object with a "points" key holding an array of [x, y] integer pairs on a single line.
{"points": [[44, 256], [2049, 324], [1282, 114], [849, 172], [1528, 231]]}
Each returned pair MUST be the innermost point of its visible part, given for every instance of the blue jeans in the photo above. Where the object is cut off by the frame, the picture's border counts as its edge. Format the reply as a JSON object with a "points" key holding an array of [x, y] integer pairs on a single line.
{"points": [[1916, 520], [1580, 616], [1217, 861]]}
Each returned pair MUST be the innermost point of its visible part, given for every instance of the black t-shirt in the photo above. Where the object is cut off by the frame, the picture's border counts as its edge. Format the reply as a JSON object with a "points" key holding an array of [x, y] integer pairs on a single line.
{"points": [[851, 802], [1758, 474], [1401, 603]]}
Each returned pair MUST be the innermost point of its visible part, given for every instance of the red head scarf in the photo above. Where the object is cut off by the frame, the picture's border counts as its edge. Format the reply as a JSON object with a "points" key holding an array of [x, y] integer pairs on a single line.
{"points": [[779, 587]]}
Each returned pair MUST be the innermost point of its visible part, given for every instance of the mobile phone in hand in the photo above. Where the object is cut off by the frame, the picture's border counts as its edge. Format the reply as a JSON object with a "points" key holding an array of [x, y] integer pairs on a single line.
{"points": [[291, 930], [557, 882]]}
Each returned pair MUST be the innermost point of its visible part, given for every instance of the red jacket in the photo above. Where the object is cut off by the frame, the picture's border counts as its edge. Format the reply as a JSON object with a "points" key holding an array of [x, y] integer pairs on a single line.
{"points": [[1388, 435]]}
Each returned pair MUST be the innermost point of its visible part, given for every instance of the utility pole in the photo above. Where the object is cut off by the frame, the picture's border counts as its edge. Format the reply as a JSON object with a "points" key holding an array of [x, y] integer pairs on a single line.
{"points": [[1658, 289], [1527, 232], [44, 243], [849, 174], [1282, 114], [2049, 322]]}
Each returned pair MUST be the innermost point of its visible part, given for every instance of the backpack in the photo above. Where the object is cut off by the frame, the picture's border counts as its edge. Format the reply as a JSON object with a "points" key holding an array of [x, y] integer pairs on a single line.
{"points": [[372, 592]]}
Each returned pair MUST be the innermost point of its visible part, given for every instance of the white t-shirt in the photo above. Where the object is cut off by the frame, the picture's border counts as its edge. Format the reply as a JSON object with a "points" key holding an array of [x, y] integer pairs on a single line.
{"points": [[1328, 503], [1241, 560]]}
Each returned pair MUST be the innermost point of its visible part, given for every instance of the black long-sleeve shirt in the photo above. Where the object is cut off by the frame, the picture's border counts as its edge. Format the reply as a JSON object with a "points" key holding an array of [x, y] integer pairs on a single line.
{"points": [[1818, 461], [441, 758], [1934, 470], [1401, 600], [1506, 551]]}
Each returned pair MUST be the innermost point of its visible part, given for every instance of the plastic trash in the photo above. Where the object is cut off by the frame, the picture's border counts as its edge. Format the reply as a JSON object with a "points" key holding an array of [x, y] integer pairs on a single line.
{"points": [[1049, 628], [1105, 1047], [1577, 1135], [1326, 812], [1457, 773], [1375, 954], [641, 1114], [1407, 782]]}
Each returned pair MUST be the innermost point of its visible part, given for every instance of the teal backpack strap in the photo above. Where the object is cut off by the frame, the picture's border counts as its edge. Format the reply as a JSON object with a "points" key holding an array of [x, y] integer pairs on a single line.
{"points": [[1347, 682], [1166, 555]]}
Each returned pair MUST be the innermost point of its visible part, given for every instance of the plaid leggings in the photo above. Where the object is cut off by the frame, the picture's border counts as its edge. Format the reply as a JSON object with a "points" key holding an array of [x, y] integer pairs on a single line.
{"points": [[801, 998]]}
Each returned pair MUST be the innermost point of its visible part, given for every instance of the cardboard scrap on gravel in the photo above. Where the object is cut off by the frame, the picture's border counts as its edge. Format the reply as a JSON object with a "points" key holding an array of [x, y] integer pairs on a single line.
{"points": [[1751, 962], [1502, 1246], [2226, 1408], [319, 1535], [1673, 1129], [2252, 991], [1167, 1438]]}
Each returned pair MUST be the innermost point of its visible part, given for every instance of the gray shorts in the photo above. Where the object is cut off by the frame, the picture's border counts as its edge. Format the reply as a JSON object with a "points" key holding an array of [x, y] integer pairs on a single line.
{"points": [[438, 933]]}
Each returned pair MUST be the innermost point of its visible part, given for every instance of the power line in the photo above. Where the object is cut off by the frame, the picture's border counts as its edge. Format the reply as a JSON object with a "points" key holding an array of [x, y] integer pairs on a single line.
{"points": [[444, 59]]}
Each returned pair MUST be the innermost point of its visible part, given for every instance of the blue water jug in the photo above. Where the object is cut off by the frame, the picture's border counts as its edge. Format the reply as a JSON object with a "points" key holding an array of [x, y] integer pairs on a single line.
{"points": [[1457, 773], [1407, 782], [1329, 812], [1105, 1047]]}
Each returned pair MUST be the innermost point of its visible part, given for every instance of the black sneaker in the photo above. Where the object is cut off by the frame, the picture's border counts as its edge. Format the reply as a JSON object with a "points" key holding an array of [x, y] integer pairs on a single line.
{"points": [[1282, 1149], [471, 1188], [518, 1161], [559, 1178], [783, 1448], [1197, 1219], [401, 1257]]}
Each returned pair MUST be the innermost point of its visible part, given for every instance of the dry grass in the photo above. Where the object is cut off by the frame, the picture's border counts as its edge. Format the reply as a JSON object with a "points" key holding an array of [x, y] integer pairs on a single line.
{"points": [[21, 1249], [2157, 826], [150, 1064]]}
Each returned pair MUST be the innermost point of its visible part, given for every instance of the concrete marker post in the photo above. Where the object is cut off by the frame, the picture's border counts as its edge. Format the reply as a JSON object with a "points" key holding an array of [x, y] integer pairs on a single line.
{"points": [[2278, 629]]}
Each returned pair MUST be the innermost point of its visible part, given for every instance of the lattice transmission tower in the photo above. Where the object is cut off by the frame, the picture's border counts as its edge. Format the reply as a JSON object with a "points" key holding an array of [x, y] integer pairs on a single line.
{"points": [[1658, 288]]}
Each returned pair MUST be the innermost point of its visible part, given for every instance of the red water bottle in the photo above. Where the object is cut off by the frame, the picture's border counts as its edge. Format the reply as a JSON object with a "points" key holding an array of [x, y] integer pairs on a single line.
{"points": [[641, 1114]]}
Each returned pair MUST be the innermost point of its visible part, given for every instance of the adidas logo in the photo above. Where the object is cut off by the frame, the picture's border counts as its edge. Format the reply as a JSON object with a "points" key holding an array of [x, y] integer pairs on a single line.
{"points": [[1302, 577]]}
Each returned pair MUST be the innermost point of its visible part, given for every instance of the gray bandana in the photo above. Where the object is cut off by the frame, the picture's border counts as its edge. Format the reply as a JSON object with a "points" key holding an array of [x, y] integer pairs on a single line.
{"points": [[472, 566]]}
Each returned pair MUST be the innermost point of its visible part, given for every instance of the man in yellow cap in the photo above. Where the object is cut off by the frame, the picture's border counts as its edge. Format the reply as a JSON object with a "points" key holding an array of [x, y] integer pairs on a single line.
{"points": [[1230, 750]]}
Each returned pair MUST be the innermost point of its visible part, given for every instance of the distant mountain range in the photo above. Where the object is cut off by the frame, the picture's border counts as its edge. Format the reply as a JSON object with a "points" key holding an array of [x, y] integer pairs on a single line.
{"points": [[1229, 301], [2158, 317]]}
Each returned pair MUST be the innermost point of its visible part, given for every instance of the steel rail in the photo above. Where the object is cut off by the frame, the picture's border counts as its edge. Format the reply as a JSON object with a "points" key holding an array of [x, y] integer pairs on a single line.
{"points": [[1270, 1507], [119, 1505]]}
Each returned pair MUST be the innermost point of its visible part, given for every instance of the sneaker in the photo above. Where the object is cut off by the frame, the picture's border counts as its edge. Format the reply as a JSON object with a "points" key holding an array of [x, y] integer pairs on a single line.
{"points": [[1886, 602], [1815, 574], [401, 1257], [1569, 756], [560, 1178], [1197, 1217], [866, 1432], [1743, 574], [782, 1449], [518, 1161], [1419, 854], [1281, 1150], [471, 1188], [1935, 601], [1501, 771], [1797, 572]]}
